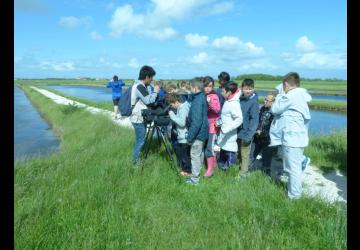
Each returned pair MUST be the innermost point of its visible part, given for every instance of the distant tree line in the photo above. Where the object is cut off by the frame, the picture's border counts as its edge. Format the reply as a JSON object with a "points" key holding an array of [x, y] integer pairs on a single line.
{"points": [[267, 77]]}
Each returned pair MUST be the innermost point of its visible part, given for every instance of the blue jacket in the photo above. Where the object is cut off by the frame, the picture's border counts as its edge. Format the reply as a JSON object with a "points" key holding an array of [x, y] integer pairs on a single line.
{"points": [[250, 111], [197, 121], [116, 88]]}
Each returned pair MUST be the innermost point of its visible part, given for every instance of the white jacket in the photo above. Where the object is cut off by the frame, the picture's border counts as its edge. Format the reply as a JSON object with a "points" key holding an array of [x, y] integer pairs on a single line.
{"points": [[292, 116], [231, 117]]}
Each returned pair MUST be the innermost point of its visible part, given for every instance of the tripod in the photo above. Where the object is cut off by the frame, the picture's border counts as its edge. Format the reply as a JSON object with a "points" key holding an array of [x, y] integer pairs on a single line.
{"points": [[161, 137]]}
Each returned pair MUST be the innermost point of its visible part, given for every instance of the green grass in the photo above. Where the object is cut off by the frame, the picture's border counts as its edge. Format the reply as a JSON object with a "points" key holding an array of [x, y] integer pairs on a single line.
{"points": [[88, 196], [329, 152]]}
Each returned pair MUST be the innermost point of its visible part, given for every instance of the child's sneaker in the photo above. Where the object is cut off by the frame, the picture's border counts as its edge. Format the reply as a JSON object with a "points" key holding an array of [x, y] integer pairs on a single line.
{"points": [[283, 178], [305, 163], [191, 182]]}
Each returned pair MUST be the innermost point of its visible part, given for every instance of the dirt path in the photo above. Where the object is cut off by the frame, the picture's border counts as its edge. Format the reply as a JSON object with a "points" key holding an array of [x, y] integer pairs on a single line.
{"points": [[331, 186]]}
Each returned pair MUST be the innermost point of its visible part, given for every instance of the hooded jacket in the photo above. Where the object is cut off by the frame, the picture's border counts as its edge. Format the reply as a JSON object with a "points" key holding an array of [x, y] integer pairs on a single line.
{"points": [[197, 119], [292, 117], [231, 117], [213, 111], [250, 112]]}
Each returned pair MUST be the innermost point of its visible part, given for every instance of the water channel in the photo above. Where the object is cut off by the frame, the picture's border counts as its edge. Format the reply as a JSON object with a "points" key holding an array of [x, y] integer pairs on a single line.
{"points": [[322, 122], [32, 134]]}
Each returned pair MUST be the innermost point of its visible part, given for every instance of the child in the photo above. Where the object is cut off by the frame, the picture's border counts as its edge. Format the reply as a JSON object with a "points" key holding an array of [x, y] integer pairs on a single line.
{"points": [[275, 140], [250, 111], [231, 119], [197, 129], [262, 138], [213, 114], [116, 86], [294, 113], [223, 79], [182, 149]]}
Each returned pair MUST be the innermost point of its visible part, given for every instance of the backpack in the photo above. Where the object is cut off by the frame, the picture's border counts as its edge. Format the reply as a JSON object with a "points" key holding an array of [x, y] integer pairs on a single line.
{"points": [[125, 107]]}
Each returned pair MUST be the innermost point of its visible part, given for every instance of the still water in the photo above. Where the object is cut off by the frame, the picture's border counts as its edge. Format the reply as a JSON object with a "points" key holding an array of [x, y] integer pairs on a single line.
{"points": [[315, 97], [32, 134], [322, 122]]}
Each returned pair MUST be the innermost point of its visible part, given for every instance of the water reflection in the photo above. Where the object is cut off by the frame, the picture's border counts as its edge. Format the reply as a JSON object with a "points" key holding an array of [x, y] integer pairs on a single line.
{"points": [[32, 134]]}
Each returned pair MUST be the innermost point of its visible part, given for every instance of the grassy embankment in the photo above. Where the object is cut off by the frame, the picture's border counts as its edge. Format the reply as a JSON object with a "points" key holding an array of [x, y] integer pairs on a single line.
{"points": [[89, 197]]}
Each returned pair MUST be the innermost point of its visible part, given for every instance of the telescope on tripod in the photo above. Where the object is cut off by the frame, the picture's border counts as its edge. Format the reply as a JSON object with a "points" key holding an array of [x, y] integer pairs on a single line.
{"points": [[156, 124]]}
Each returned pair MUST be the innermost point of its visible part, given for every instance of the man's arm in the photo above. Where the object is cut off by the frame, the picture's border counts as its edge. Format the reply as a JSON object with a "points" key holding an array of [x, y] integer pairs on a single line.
{"points": [[144, 95]]}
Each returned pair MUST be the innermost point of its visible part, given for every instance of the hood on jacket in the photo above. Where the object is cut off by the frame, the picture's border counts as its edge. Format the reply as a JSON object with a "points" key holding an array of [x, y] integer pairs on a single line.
{"points": [[300, 94], [234, 96]]}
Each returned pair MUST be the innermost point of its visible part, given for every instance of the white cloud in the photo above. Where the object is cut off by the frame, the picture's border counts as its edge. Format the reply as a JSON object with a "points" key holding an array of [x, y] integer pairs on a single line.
{"points": [[257, 66], [309, 56], [95, 36], [156, 21], [222, 7], [62, 66], [196, 41], [134, 63], [124, 20], [303, 44], [177, 9], [72, 22], [162, 34], [199, 58], [319, 60], [238, 48]]}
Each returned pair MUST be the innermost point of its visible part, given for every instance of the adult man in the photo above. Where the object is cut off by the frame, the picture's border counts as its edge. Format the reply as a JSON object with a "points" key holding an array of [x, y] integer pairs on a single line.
{"points": [[140, 98]]}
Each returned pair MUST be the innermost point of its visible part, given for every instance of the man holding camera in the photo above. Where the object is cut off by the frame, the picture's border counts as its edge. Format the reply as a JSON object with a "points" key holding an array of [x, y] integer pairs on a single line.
{"points": [[140, 98]]}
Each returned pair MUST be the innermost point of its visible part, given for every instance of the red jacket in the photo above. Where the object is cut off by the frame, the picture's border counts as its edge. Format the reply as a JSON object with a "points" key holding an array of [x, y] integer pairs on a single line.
{"points": [[213, 111]]}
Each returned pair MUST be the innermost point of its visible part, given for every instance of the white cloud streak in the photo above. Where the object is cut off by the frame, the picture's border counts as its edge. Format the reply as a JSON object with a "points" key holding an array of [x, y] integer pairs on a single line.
{"points": [[200, 58], [196, 41], [222, 7], [71, 22]]}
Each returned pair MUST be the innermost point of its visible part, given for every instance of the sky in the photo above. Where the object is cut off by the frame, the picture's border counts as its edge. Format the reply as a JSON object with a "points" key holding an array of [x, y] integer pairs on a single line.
{"points": [[180, 39]]}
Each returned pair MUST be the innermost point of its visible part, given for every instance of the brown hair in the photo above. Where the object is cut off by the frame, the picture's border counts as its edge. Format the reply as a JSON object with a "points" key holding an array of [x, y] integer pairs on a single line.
{"points": [[292, 78], [170, 87], [172, 98]]}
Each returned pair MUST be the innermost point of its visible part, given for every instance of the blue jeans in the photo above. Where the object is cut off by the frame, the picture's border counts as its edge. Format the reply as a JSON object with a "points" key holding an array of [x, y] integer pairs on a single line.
{"points": [[140, 130]]}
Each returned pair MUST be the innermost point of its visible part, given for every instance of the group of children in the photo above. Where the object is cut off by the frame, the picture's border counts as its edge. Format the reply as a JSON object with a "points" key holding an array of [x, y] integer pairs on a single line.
{"points": [[205, 122], [217, 126]]}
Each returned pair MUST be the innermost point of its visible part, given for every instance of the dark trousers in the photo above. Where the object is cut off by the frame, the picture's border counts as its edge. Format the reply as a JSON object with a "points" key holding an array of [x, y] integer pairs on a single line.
{"points": [[182, 151], [267, 152]]}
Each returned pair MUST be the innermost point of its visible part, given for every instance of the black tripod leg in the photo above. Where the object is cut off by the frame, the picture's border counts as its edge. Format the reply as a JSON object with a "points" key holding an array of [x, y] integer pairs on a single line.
{"points": [[166, 146], [148, 141]]}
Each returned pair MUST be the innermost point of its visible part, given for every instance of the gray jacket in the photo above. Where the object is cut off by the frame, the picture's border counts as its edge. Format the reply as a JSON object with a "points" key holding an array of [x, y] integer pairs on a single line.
{"points": [[180, 121]]}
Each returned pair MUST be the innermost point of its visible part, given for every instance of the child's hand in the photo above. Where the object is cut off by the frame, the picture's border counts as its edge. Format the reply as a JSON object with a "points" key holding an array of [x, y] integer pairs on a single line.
{"points": [[171, 113], [208, 99]]}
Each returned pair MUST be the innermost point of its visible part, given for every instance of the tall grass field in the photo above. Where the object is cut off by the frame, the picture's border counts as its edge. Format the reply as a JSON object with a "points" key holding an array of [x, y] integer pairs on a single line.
{"points": [[89, 196]]}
